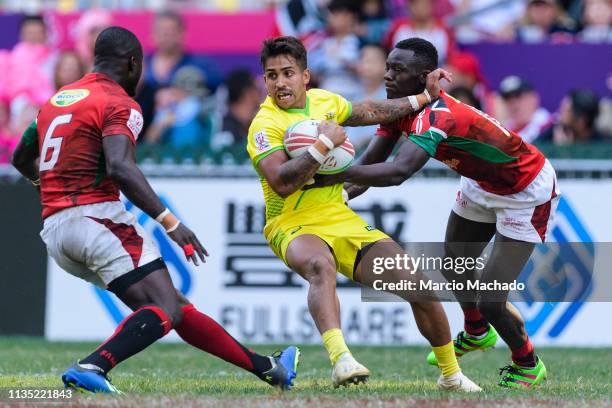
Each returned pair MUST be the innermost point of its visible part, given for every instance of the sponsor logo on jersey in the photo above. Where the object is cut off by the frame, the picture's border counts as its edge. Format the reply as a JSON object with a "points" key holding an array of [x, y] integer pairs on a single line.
{"points": [[460, 201], [452, 163], [261, 141], [330, 115], [369, 228], [135, 122], [69, 97]]}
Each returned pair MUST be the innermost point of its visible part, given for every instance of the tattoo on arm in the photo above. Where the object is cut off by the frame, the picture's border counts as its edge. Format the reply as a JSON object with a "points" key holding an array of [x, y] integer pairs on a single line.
{"points": [[371, 112], [295, 173]]}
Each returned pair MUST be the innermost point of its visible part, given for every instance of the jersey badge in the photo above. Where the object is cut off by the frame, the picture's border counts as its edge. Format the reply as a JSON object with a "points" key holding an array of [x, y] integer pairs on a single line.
{"points": [[261, 141], [69, 97], [135, 122]]}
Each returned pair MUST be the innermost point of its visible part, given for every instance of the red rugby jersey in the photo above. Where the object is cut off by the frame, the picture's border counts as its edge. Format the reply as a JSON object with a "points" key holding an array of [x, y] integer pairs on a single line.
{"points": [[472, 143], [70, 128]]}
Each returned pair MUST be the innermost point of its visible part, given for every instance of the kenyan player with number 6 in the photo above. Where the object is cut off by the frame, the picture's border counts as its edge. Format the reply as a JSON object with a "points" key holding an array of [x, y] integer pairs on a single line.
{"points": [[312, 231], [85, 139]]}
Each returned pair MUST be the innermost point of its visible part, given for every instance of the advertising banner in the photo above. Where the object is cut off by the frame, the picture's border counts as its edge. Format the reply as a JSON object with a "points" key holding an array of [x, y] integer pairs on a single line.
{"points": [[259, 300]]}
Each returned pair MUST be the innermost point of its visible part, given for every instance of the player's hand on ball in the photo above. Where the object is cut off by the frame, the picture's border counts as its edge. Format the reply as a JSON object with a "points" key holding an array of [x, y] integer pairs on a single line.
{"points": [[433, 81], [185, 237], [333, 131]]}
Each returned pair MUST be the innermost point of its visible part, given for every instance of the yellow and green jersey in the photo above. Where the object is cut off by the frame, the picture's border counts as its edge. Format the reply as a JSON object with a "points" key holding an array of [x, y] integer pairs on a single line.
{"points": [[266, 136]]}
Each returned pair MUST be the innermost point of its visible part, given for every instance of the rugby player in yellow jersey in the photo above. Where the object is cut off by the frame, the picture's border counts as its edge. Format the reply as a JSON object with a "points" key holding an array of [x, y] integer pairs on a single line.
{"points": [[313, 231]]}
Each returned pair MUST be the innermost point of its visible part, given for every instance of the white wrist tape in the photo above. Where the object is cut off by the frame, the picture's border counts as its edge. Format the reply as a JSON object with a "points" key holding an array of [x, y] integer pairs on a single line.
{"points": [[174, 227], [326, 141], [345, 195], [414, 102], [427, 95], [162, 215], [318, 156]]}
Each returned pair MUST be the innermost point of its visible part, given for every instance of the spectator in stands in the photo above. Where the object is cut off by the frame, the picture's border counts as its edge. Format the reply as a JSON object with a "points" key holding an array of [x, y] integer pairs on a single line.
{"points": [[467, 73], [69, 68], [545, 21], [298, 18], [27, 74], [334, 59], [374, 22], [180, 119], [482, 20], [90, 24], [33, 30], [169, 56], [525, 116], [8, 140], [597, 21], [33, 46], [244, 97], [371, 71], [422, 23], [465, 95], [576, 119]]}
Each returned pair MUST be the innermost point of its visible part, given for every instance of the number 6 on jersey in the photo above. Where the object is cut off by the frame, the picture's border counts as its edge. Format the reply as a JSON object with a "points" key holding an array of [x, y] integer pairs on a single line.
{"points": [[51, 142]]}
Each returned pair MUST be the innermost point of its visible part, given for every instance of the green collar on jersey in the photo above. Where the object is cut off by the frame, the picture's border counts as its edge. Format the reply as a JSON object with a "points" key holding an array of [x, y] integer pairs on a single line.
{"points": [[305, 110]]}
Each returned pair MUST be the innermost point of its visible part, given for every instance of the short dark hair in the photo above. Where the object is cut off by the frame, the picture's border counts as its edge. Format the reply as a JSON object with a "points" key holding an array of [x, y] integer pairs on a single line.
{"points": [[116, 43], [344, 5], [424, 51], [32, 19], [237, 83], [172, 16], [284, 46], [585, 103]]}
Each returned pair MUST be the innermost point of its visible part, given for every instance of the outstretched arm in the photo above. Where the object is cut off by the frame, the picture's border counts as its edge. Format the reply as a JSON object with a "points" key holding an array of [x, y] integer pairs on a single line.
{"points": [[385, 111], [409, 159], [378, 151]]}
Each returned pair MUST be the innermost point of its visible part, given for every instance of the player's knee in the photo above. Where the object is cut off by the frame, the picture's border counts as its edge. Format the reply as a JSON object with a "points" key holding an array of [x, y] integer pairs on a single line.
{"points": [[491, 310], [320, 270]]}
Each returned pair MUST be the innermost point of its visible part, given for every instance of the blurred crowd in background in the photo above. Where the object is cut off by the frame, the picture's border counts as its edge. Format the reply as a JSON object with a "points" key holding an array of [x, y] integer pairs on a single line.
{"points": [[187, 102]]}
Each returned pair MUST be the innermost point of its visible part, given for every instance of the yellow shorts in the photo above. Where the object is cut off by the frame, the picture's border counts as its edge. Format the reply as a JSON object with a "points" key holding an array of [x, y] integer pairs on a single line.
{"points": [[344, 231]]}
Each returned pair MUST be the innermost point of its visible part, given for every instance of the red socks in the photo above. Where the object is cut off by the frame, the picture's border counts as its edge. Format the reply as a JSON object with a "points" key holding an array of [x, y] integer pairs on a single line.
{"points": [[524, 355], [475, 324], [204, 333]]}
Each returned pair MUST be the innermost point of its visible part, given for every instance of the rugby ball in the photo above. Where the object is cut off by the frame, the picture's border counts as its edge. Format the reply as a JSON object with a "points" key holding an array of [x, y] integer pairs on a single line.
{"points": [[302, 134]]}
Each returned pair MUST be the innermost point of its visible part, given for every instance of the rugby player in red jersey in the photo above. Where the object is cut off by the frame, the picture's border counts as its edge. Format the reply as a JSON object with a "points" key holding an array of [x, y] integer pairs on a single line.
{"points": [[507, 190], [81, 153]]}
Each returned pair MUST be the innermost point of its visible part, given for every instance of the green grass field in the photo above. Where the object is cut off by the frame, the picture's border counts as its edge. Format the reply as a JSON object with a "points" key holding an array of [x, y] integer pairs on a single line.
{"points": [[178, 375]]}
